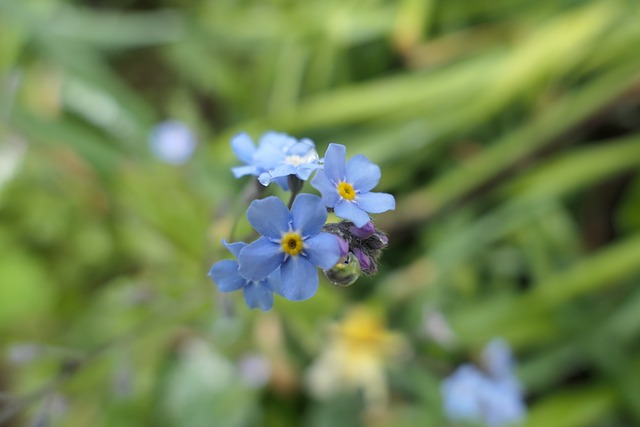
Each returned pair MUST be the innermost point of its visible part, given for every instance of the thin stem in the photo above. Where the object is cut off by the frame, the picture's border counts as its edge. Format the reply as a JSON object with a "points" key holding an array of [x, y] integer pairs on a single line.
{"points": [[295, 185]]}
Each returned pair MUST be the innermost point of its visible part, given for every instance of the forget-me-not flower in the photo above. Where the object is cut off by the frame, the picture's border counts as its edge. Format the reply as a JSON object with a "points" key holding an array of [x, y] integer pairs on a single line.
{"points": [[257, 293], [277, 156], [292, 241], [172, 142], [346, 186], [493, 398]]}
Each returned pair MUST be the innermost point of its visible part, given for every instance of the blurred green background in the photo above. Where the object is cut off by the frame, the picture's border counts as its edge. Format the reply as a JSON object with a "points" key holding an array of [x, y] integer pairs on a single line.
{"points": [[509, 132]]}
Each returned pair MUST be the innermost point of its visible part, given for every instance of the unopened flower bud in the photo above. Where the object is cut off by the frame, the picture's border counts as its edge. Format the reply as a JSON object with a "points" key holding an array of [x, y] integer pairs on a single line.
{"points": [[363, 260], [343, 245], [363, 232]]}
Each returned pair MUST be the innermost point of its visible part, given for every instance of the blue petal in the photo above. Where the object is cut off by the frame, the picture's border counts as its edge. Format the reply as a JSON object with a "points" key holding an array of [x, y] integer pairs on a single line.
{"points": [[323, 250], [299, 278], [276, 140], [272, 150], [308, 215], [462, 393], [349, 210], [362, 174], [244, 148], [376, 202], [258, 259], [274, 281], [334, 162], [269, 216], [501, 405], [240, 171], [328, 190], [234, 248], [258, 295], [282, 170], [302, 148], [304, 171], [497, 358], [282, 182], [225, 274]]}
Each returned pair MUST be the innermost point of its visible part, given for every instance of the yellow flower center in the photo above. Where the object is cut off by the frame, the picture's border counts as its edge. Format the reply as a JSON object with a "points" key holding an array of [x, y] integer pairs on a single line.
{"points": [[291, 243], [346, 191]]}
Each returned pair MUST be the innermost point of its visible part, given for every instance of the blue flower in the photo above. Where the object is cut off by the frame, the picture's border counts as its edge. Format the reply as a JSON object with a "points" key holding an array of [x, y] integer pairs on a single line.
{"points": [[257, 293], [292, 241], [277, 156], [346, 186], [493, 398], [172, 142]]}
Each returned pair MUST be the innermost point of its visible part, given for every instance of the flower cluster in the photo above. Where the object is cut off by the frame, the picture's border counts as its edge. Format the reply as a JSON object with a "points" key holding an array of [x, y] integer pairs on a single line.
{"points": [[296, 240], [493, 397]]}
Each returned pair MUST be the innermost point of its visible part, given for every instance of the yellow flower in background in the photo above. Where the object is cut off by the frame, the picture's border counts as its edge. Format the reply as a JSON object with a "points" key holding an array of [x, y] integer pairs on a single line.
{"points": [[357, 352]]}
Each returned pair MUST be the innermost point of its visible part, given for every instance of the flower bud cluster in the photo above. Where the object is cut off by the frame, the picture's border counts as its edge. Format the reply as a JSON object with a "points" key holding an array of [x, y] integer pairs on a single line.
{"points": [[360, 248]]}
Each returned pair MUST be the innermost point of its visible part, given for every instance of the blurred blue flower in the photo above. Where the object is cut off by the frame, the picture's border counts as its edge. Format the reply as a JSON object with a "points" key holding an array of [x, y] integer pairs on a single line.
{"points": [[277, 156], [172, 142], [291, 240], [493, 398], [346, 186], [257, 293]]}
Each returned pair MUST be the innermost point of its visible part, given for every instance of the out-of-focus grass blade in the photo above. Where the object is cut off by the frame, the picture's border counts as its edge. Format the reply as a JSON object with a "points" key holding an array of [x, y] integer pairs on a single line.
{"points": [[95, 148], [552, 49], [91, 74], [577, 169], [613, 362], [598, 271], [346, 23], [533, 194], [573, 408], [91, 77], [464, 94], [569, 111], [543, 370], [63, 23], [116, 30], [591, 274]]}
